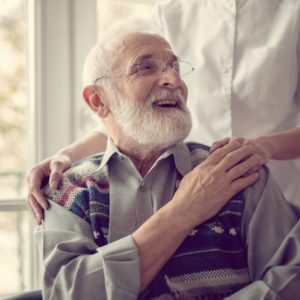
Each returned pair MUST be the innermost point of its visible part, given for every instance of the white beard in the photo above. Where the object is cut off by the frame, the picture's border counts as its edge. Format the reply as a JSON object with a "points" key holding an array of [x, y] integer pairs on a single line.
{"points": [[150, 125]]}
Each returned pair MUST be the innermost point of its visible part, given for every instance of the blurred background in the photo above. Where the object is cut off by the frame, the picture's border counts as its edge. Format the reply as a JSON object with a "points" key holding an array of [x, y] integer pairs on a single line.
{"points": [[43, 44]]}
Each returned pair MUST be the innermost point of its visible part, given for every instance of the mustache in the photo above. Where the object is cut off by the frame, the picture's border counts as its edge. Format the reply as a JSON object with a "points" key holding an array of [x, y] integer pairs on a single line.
{"points": [[163, 94]]}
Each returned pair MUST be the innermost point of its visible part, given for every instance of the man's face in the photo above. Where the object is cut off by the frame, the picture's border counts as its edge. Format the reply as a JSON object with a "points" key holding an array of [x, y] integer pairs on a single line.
{"points": [[149, 107], [134, 49]]}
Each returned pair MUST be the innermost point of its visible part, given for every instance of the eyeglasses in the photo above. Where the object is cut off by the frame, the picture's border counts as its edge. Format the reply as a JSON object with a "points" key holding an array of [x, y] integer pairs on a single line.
{"points": [[152, 66]]}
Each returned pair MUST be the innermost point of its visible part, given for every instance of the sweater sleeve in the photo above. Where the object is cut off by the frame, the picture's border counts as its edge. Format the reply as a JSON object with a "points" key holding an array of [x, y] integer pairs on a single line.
{"points": [[76, 268], [271, 232]]}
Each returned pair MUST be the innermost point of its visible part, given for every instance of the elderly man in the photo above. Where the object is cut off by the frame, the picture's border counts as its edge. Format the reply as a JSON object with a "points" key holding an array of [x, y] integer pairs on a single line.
{"points": [[152, 218]]}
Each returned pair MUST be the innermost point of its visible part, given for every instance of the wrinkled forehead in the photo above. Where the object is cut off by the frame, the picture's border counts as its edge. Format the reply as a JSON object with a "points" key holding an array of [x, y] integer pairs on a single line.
{"points": [[129, 47]]}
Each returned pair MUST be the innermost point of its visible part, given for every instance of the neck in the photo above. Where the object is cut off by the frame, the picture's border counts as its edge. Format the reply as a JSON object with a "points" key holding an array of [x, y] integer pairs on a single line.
{"points": [[142, 156], [143, 165]]}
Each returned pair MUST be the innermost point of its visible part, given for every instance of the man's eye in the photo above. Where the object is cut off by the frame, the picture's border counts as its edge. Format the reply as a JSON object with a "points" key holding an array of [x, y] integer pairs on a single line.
{"points": [[176, 66], [147, 68]]}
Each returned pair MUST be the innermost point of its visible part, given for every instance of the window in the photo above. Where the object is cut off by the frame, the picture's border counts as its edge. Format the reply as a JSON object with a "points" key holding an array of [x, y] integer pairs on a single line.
{"points": [[14, 231], [43, 47], [13, 98]]}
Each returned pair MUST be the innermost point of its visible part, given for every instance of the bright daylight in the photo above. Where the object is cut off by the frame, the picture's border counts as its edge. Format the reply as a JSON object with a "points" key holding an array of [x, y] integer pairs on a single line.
{"points": [[13, 145]]}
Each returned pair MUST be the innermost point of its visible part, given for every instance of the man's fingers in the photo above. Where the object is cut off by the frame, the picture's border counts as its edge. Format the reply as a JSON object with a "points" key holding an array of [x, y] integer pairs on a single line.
{"points": [[237, 156], [254, 169], [243, 182], [245, 167]]}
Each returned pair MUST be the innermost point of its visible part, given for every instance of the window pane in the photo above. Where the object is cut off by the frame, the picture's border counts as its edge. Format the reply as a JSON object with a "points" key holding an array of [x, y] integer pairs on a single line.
{"points": [[14, 252], [14, 233], [13, 98]]}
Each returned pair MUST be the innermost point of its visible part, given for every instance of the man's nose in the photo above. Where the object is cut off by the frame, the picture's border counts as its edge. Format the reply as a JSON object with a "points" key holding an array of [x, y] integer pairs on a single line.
{"points": [[170, 78]]}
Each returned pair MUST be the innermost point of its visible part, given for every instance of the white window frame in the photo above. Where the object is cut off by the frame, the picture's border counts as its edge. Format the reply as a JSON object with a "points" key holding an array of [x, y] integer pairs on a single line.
{"points": [[54, 84], [72, 25]]}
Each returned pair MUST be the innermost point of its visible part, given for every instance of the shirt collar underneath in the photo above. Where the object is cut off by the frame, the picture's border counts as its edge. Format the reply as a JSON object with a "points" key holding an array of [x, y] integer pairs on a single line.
{"points": [[180, 152], [182, 157], [111, 149]]}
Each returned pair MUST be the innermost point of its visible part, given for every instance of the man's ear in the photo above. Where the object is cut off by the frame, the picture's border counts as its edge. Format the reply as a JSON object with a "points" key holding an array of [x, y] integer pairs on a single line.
{"points": [[93, 96]]}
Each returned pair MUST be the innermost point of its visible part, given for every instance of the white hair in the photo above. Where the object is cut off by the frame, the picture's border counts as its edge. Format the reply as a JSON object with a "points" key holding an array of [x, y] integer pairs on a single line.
{"points": [[99, 61], [148, 126]]}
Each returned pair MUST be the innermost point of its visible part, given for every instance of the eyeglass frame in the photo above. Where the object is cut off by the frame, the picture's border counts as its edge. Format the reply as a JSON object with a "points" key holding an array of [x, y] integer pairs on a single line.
{"points": [[162, 70]]}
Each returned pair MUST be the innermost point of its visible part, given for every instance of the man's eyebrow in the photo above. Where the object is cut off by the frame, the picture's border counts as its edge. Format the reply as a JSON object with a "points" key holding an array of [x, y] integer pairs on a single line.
{"points": [[146, 56], [143, 57]]}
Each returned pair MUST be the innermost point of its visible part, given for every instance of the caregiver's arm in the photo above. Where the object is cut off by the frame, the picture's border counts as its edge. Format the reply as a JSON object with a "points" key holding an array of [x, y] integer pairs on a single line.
{"points": [[280, 146], [54, 166]]}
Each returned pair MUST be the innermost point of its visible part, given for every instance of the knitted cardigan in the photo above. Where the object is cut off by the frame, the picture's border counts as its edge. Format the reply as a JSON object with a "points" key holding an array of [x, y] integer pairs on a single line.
{"points": [[211, 263]]}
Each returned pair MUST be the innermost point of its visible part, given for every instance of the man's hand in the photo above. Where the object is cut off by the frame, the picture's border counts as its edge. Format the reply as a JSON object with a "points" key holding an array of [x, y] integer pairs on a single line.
{"points": [[200, 195], [208, 187], [53, 168]]}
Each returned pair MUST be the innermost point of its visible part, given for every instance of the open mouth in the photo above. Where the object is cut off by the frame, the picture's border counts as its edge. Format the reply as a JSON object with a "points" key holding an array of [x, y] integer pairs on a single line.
{"points": [[166, 103]]}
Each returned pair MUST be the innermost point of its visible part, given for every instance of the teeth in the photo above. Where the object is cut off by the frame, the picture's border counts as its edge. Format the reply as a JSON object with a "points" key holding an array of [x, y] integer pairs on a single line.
{"points": [[166, 102]]}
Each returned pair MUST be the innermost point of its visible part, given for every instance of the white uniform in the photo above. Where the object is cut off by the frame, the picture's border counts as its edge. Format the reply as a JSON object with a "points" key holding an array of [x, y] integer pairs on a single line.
{"points": [[246, 81]]}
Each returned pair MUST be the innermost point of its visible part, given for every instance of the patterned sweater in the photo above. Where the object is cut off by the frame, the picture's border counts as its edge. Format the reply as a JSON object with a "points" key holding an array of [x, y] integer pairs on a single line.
{"points": [[211, 263]]}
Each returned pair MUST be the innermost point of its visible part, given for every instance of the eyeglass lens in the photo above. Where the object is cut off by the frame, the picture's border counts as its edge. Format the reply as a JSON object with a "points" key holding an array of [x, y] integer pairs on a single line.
{"points": [[153, 66]]}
